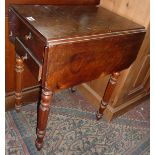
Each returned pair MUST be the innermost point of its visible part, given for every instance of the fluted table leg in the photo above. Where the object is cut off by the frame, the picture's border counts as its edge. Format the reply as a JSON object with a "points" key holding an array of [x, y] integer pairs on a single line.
{"points": [[19, 68], [43, 112], [108, 92]]}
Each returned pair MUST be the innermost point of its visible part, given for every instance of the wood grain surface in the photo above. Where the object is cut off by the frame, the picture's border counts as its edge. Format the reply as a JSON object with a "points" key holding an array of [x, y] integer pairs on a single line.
{"points": [[75, 63], [53, 2], [63, 22]]}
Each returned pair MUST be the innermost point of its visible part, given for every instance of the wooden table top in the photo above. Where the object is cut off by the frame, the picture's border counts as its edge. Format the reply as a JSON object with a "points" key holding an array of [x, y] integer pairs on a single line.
{"points": [[57, 22]]}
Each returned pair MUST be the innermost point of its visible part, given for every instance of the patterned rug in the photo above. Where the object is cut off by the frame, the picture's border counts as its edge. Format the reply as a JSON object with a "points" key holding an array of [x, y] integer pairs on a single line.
{"points": [[73, 130]]}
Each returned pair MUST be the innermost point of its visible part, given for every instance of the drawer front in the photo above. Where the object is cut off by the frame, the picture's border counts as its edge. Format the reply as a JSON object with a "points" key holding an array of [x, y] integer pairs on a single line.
{"points": [[33, 64], [29, 37]]}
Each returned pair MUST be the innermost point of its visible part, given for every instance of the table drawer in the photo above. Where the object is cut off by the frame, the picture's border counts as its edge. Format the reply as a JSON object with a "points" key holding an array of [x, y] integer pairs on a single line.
{"points": [[34, 65], [27, 35]]}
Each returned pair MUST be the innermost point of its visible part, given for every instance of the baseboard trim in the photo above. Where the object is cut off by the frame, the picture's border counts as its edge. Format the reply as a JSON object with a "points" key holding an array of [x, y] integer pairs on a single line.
{"points": [[30, 95], [110, 112], [128, 103]]}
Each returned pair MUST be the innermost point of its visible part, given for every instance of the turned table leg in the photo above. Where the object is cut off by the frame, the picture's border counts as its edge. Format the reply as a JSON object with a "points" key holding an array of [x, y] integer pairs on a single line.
{"points": [[19, 68], [108, 92], [43, 112]]}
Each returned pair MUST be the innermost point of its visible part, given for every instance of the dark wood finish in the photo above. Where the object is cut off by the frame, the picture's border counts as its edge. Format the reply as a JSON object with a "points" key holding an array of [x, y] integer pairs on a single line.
{"points": [[28, 58], [76, 46], [53, 2], [81, 22], [25, 33], [98, 28], [79, 58], [19, 68], [108, 92], [29, 79], [43, 116]]}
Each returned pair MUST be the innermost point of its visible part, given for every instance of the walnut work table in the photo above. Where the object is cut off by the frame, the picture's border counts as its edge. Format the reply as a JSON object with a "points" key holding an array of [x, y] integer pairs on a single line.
{"points": [[67, 45]]}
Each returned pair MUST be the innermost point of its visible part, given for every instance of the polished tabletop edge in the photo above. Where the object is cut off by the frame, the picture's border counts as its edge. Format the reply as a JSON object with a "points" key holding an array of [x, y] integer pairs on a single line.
{"points": [[91, 37], [81, 23]]}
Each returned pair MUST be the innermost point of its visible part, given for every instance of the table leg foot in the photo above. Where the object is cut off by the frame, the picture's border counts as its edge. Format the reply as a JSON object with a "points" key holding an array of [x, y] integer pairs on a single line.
{"points": [[98, 116], [18, 108], [19, 68], [99, 113], [73, 89], [43, 113], [38, 145]]}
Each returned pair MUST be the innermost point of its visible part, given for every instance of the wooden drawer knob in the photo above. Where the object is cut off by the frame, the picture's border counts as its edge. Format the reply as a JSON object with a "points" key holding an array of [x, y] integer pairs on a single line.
{"points": [[29, 36], [25, 57]]}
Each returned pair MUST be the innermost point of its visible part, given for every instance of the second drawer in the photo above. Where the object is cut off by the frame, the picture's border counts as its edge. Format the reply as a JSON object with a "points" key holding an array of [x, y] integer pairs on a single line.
{"points": [[33, 64]]}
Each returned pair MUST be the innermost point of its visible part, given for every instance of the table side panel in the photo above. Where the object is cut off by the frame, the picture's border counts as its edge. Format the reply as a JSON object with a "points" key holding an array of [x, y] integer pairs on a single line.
{"points": [[77, 62]]}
